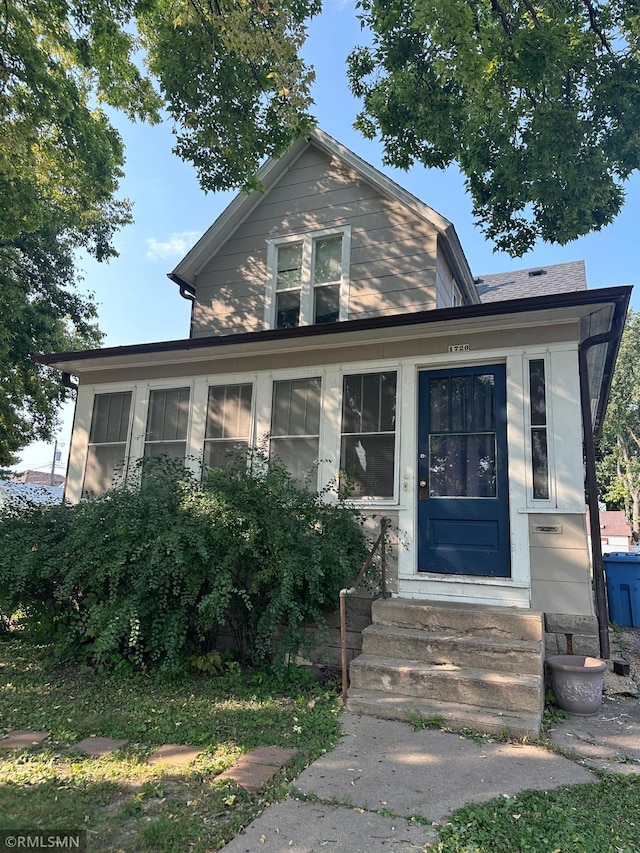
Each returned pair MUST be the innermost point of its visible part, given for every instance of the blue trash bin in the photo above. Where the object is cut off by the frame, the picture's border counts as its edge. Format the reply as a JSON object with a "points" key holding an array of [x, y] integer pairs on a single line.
{"points": [[622, 570]]}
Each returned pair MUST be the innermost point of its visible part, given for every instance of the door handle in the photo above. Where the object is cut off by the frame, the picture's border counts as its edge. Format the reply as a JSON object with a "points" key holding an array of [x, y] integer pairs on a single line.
{"points": [[424, 490]]}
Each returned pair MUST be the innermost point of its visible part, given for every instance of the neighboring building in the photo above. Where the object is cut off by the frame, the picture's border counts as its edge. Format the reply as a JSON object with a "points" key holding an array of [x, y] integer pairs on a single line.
{"points": [[23, 494], [336, 315], [615, 531], [40, 478]]}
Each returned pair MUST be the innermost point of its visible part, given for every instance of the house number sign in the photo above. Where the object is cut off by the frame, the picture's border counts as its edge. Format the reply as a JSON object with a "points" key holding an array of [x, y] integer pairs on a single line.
{"points": [[459, 348]]}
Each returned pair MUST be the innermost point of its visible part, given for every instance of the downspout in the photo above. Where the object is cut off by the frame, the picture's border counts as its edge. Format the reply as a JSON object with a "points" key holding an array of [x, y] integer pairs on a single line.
{"points": [[602, 610], [187, 291]]}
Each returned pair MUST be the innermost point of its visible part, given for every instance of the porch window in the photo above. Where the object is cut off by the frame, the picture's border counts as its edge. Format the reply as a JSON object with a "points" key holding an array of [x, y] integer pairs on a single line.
{"points": [[107, 442], [167, 421], [295, 427], [367, 452], [308, 282], [228, 426], [539, 446]]}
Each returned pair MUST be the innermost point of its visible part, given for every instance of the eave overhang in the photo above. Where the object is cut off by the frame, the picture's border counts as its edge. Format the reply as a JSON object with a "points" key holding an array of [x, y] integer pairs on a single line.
{"points": [[594, 310]]}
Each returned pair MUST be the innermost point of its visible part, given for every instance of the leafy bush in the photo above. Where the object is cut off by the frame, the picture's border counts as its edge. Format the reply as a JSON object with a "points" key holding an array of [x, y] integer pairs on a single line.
{"points": [[154, 572]]}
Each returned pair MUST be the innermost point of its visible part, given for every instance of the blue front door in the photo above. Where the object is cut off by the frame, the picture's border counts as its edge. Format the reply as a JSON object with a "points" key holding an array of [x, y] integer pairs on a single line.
{"points": [[463, 509]]}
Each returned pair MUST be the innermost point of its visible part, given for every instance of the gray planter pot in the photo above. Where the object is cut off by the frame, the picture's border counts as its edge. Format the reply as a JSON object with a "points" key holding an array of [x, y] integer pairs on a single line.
{"points": [[577, 682]]}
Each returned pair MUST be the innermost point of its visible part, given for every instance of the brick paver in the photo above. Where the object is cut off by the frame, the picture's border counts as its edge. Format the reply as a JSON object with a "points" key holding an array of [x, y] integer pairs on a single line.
{"points": [[255, 769], [22, 739], [174, 754], [97, 747]]}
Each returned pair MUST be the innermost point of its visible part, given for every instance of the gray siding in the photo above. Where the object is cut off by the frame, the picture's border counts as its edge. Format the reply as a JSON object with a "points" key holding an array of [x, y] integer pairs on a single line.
{"points": [[393, 254], [444, 284]]}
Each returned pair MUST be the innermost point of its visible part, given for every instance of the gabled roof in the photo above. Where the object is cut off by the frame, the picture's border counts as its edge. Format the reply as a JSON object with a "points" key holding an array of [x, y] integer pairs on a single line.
{"points": [[187, 270], [612, 523], [533, 281]]}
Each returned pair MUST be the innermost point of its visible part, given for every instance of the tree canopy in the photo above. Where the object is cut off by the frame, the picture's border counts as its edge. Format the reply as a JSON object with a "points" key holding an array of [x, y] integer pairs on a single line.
{"points": [[619, 469], [537, 103], [229, 75]]}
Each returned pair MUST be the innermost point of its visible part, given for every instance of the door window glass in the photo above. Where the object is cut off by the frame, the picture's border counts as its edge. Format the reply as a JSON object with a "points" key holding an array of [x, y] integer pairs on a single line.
{"points": [[462, 441]]}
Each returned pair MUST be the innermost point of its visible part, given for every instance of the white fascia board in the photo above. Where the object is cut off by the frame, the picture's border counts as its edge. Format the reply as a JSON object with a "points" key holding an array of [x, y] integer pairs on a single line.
{"points": [[235, 214]]}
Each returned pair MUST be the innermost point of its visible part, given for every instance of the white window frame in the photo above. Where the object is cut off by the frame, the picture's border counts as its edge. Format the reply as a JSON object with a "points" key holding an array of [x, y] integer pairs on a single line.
{"points": [[213, 382], [126, 444], [551, 501], [293, 376], [307, 289]]}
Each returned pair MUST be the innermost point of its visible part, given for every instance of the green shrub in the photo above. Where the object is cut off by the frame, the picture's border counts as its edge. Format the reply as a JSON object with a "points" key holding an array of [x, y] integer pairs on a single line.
{"points": [[153, 572]]}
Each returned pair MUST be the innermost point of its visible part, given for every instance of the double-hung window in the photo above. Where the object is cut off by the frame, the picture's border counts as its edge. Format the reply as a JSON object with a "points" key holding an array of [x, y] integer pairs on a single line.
{"points": [[295, 427], [167, 422], [228, 426], [107, 441], [308, 282], [367, 454]]}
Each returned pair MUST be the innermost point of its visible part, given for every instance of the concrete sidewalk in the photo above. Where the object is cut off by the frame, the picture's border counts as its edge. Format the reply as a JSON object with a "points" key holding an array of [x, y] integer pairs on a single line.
{"points": [[381, 787]]}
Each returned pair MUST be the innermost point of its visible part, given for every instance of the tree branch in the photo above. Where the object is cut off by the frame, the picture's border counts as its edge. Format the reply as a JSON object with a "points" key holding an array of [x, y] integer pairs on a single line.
{"points": [[594, 27], [532, 13], [500, 12]]}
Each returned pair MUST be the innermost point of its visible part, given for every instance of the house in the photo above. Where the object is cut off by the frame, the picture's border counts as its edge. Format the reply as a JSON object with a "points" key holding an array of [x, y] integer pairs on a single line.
{"points": [[39, 478], [615, 531], [336, 314]]}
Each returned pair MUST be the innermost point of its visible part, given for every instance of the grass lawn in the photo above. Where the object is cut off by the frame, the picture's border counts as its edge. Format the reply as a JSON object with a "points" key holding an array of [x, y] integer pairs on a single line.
{"points": [[596, 818], [128, 805], [125, 804]]}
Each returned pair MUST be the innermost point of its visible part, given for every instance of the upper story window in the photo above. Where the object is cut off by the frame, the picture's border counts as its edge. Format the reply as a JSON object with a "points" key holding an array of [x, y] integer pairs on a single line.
{"points": [[308, 279], [107, 442]]}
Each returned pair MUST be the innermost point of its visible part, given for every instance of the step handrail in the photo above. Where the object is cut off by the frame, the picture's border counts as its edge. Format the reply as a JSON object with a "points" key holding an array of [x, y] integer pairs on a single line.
{"points": [[379, 543]]}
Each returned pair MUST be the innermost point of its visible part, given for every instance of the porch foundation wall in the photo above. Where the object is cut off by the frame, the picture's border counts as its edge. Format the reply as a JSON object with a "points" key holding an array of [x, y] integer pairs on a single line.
{"points": [[327, 650], [564, 631], [560, 566]]}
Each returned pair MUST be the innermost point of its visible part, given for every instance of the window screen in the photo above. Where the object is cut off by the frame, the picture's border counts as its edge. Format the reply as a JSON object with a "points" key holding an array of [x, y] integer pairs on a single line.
{"points": [[167, 422], [228, 424], [367, 454], [295, 427], [107, 451]]}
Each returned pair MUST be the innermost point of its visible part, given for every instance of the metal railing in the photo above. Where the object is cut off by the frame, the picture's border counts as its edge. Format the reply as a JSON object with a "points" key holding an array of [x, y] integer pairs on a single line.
{"points": [[380, 543]]}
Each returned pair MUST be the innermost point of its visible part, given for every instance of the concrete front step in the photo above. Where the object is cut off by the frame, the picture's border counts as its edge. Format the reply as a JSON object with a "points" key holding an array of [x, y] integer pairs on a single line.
{"points": [[503, 692], [453, 715], [445, 617], [494, 654]]}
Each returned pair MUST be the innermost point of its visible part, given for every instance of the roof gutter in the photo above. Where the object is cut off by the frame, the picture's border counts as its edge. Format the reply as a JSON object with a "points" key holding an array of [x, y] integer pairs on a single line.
{"points": [[602, 610], [618, 295], [187, 291]]}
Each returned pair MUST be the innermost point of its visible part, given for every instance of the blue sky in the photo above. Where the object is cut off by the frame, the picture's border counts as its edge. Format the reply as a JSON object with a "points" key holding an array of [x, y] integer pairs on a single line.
{"points": [[136, 301]]}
